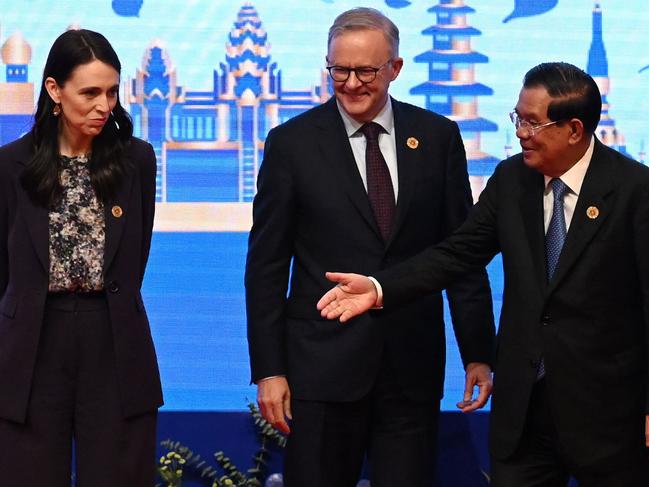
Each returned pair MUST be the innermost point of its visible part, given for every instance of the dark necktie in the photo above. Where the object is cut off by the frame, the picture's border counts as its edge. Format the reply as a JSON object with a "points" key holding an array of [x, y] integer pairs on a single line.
{"points": [[556, 234], [554, 238], [379, 183]]}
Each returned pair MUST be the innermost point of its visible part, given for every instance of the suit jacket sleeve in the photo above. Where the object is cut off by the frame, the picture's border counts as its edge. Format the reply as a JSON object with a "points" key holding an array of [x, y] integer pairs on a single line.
{"points": [[468, 249], [469, 297], [148, 182], [641, 246], [270, 250]]}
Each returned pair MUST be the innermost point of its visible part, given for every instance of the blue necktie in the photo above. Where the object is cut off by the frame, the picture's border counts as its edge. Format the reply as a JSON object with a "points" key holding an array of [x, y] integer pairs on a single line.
{"points": [[556, 234], [554, 239]]}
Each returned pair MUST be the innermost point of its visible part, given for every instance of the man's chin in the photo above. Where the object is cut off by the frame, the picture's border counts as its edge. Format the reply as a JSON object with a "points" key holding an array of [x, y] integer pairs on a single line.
{"points": [[531, 162], [528, 158], [356, 110]]}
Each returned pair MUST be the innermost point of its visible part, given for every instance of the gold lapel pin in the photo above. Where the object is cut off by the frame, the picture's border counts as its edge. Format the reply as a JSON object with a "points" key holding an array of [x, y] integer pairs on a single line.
{"points": [[592, 212], [117, 211], [412, 143]]}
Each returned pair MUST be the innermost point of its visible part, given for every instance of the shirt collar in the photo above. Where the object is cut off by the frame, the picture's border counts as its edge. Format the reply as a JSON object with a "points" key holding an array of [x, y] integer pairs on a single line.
{"points": [[384, 118], [574, 177]]}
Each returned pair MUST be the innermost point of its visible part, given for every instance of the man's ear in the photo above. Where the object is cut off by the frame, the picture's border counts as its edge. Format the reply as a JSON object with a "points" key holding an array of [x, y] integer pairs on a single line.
{"points": [[577, 132], [397, 64], [53, 89]]}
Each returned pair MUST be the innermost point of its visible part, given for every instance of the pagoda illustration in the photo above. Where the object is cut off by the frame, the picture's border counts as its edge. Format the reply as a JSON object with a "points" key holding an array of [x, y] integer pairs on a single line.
{"points": [[598, 69], [17, 93], [451, 89], [209, 144]]}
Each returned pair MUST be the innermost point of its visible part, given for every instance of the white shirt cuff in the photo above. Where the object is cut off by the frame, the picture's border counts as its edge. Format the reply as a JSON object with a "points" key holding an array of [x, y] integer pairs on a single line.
{"points": [[379, 293]]}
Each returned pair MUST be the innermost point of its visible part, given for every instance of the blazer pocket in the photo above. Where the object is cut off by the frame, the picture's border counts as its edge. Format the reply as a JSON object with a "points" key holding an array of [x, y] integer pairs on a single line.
{"points": [[8, 306]]}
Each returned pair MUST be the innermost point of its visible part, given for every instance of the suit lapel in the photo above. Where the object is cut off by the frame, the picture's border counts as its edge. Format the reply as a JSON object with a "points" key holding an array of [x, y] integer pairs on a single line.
{"points": [[597, 184], [531, 205], [37, 223], [116, 212], [407, 164], [335, 149], [36, 217]]}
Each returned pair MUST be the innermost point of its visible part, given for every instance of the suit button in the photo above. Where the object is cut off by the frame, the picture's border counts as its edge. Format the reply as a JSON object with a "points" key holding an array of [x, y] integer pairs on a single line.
{"points": [[113, 287], [545, 320]]}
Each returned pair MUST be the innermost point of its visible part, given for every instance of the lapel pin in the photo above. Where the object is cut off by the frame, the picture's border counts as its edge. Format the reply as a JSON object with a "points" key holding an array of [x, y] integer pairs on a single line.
{"points": [[592, 212], [117, 211], [412, 143]]}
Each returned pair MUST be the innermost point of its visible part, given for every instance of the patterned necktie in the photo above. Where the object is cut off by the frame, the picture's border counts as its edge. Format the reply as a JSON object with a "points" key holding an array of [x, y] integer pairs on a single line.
{"points": [[556, 234], [554, 239], [379, 183]]}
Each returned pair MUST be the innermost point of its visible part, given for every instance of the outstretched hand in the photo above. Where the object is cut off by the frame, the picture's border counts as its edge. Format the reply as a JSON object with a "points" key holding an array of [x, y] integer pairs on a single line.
{"points": [[353, 295]]}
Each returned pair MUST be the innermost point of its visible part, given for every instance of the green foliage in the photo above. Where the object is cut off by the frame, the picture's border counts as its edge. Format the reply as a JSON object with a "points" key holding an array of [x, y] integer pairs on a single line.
{"points": [[180, 458]]}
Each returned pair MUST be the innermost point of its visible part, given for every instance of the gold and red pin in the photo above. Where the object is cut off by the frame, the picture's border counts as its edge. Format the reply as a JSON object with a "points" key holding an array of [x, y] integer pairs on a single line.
{"points": [[117, 211], [412, 143], [592, 212]]}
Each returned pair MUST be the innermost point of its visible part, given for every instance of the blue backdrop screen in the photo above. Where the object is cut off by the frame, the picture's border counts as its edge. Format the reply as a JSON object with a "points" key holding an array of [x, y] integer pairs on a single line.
{"points": [[205, 80]]}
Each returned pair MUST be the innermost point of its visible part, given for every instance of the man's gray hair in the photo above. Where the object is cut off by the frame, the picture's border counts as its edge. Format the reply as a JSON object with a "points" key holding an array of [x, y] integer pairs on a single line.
{"points": [[362, 18]]}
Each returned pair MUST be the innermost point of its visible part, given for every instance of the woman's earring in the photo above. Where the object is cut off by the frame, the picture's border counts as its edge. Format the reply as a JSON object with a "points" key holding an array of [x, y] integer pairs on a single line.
{"points": [[56, 111], [114, 120]]}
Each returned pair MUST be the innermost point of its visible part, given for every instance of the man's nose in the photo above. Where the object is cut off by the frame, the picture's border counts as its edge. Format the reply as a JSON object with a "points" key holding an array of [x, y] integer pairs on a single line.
{"points": [[523, 133], [353, 81]]}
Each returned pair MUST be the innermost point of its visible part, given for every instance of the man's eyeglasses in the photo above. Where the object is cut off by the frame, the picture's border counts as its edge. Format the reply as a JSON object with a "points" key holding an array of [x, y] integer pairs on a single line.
{"points": [[529, 127], [365, 74]]}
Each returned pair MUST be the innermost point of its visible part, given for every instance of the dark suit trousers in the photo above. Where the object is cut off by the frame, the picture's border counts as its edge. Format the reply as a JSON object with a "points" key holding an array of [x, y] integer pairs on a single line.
{"points": [[329, 440], [75, 397], [538, 461]]}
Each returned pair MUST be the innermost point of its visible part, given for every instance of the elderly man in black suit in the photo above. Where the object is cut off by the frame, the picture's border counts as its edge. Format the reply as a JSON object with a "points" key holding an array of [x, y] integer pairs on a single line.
{"points": [[361, 182], [571, 218]]}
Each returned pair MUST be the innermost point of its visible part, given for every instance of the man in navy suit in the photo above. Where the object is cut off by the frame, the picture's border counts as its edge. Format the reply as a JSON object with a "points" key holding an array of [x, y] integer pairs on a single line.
{"points": [[361, 182], [571, 218]]}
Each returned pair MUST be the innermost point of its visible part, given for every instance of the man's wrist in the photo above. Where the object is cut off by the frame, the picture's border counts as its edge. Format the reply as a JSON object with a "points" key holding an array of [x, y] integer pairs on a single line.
{"points": [[268, 378]]}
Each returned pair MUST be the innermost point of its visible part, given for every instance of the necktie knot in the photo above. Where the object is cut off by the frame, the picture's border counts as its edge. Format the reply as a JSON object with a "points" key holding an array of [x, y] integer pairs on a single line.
{"points": [[371, 130]]}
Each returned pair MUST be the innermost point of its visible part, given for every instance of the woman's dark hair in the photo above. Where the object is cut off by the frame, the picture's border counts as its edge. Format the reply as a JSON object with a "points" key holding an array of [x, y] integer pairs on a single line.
{"points": [[41, 176], [574, 92]]}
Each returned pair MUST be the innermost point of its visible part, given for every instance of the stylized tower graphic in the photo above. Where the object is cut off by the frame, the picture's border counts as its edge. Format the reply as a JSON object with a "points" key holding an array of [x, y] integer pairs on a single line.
{"points": [[598, 69], [248, 77], [17, 94], [154, 92], [210, 143], [451, 88]]}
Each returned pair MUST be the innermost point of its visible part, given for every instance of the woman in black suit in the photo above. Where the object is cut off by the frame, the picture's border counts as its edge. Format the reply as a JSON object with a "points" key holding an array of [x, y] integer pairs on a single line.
{"points": [[77, 363]]}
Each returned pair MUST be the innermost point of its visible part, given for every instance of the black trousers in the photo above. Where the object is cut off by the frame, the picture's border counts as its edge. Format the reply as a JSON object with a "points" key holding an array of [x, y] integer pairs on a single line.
{"points": [[539, 463], [330, 440], [75, 399]]}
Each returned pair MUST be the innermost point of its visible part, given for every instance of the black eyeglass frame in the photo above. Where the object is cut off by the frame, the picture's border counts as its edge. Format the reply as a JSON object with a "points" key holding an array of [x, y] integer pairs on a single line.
{"points": [[367, 73]]}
